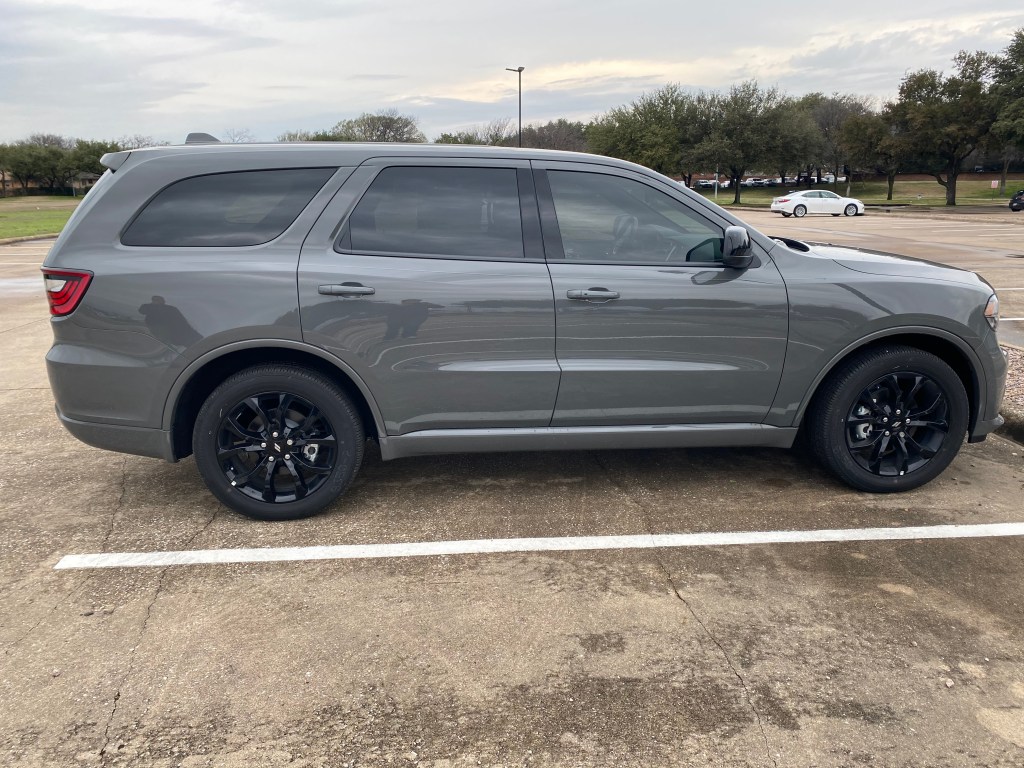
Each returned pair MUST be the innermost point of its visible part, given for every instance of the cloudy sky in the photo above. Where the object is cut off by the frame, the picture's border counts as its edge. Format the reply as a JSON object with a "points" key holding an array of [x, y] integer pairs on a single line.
{"points": [[109, 68]]}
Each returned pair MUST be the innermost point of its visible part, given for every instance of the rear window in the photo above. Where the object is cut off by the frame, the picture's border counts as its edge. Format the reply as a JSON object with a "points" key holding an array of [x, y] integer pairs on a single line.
{"points": [[226, 209]]}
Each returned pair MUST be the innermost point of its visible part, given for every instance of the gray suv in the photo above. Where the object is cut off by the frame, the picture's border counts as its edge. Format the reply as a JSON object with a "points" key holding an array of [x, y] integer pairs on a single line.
{"points": [[268, 308]]}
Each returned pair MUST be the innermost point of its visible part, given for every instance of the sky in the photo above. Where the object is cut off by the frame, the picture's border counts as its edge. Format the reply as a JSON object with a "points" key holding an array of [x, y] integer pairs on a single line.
{"points": [[111, 68]]}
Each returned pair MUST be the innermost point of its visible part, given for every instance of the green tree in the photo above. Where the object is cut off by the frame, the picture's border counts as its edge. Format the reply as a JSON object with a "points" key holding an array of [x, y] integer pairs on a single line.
{"points": [[1008, 92], [875, 144], [561, 134], [946, 118], [656, 130], [5, 151], [386, 125], [743, 128], [85, 157], [830, 114]]}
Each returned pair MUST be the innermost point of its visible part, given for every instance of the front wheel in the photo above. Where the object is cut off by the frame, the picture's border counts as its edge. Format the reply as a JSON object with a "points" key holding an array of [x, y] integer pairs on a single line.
{"points": [[800, 211], [278, 442], [889, 419], [850, 210]]}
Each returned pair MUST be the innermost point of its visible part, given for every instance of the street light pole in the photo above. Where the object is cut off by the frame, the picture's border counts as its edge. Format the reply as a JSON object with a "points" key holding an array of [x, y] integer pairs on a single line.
{"points": [[520, 71]]}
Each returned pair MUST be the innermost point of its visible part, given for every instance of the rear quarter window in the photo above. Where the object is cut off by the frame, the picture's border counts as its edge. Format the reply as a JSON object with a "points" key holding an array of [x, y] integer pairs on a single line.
{"points": [[225, 209]]}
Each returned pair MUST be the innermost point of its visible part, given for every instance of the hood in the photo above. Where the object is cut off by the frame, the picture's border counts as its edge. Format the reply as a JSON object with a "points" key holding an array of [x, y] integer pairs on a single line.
{"points": [[879, 263]]}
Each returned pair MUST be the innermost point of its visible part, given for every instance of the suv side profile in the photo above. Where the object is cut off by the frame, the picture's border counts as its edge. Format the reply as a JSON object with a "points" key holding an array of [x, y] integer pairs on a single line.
{"points": [[268, 308]]}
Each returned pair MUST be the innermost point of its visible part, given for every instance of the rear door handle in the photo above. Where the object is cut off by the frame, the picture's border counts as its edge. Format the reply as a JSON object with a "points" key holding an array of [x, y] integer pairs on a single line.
{"points": [[590, 294], [346, 289]]}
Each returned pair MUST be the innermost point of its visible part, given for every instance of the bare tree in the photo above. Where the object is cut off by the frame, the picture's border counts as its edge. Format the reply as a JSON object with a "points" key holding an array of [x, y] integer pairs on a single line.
{"points": [[238, 136]]}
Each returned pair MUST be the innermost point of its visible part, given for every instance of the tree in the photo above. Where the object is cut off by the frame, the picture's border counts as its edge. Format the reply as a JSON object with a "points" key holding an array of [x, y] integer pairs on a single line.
{"points": [[567, 135], [830, 114], [85, 157], [386, 125], [656, 130], [238, 136], [945, 119], [5, 151], [1008, 92], [874, 143], [743, 128], [497, 133], [138, 141]]}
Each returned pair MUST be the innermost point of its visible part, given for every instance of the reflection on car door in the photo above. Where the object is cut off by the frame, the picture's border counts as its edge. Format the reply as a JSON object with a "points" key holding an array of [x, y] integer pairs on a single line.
{"points": [[831, 202], [652, 328], [428, 280]]}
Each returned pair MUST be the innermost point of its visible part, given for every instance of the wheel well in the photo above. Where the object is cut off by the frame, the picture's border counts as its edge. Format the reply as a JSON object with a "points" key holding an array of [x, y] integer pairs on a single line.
{"points": [[207, 378], [945, 350]]}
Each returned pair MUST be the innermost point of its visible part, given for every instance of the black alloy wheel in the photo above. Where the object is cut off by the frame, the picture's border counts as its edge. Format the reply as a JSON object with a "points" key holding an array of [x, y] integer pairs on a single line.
{"points": [[890, 418], [276, 447], [898, 424], [278, 442]]}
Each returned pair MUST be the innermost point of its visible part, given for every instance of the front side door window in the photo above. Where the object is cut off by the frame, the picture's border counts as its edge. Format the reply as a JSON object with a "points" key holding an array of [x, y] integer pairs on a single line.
{"points": [[613, 219]]}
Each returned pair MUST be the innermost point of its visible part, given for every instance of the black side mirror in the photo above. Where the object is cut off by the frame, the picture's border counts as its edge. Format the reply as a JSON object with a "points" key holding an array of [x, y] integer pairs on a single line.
{"points": [[736, 252]]}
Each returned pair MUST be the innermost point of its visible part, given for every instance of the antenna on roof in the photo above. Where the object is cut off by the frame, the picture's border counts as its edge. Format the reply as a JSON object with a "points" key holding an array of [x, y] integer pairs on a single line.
{"points": [[201, 138]]}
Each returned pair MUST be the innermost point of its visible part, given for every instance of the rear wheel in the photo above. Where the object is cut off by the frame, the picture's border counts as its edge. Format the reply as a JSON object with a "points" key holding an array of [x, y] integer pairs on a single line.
{"points": [[850, 210], [278, 442], [800, 211], [786, 215], [890, 419]]}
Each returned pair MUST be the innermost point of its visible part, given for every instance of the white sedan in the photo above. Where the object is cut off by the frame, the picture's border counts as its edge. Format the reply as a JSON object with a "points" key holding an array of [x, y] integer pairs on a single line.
{"points": [[816, 201]]}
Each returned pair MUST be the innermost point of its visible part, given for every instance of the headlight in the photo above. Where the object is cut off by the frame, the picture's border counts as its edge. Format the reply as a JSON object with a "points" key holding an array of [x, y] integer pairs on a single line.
{"points": [[992, 311]]}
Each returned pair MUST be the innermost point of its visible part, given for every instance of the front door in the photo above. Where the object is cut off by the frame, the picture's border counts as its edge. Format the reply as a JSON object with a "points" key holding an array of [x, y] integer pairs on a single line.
{"points": [[652, 328], [427, 278]]}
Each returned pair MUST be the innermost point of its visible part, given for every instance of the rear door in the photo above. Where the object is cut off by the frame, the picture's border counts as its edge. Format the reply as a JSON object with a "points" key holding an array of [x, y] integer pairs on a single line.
{"points": [[427, 278], [652, 328]]}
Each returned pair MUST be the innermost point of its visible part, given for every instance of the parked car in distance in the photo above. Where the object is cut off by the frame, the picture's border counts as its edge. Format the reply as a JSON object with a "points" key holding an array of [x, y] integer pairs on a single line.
{"points": [[822, 201], [1017, 201], [268, 308]]}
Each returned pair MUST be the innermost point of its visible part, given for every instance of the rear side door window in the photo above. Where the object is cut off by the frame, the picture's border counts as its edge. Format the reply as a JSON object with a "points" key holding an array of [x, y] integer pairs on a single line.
{"points": [[226, 209], [455, 212]]}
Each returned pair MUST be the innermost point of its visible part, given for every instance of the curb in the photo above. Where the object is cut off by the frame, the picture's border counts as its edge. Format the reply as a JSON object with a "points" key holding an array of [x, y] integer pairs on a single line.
{"points": [[26, 238], [1013, 427]]}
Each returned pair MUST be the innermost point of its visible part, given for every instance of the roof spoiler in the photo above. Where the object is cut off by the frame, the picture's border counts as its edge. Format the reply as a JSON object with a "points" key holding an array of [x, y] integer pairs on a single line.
{"points": [[201, 138], [114, 160]]}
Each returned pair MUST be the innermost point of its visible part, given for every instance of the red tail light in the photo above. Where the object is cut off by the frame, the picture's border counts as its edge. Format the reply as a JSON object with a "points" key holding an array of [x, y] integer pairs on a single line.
{"points": [[782, 200], [65, 289]]}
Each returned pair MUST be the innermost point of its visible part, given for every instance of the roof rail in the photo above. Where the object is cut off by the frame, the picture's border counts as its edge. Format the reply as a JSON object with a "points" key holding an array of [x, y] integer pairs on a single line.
{"points": [[201, 138]]}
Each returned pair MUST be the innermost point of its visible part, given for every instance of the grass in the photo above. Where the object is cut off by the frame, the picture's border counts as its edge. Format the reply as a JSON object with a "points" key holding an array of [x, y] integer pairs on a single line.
{"points": [[30, 216], [969, 191]]}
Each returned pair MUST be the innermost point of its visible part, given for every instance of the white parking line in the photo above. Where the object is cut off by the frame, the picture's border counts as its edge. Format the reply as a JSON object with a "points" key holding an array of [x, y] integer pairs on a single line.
{"points": [[559, 544]]}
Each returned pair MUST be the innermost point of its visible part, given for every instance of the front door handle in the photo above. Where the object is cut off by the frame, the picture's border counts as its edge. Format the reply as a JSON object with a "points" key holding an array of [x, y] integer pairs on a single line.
{"points": [[346, 289], [592, 294]]}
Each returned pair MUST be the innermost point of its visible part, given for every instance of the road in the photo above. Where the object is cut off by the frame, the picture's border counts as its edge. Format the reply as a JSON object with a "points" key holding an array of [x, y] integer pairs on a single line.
{"points": [[848, 653]]}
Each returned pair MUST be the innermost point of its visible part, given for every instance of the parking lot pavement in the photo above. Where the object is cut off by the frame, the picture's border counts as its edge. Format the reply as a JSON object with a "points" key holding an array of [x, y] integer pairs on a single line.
{"points": [[883, 653]]}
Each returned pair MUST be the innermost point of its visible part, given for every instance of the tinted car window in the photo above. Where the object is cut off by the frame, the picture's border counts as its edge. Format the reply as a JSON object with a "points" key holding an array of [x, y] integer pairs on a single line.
{"points": [[226, 209], [467, 212], [611, 218]]}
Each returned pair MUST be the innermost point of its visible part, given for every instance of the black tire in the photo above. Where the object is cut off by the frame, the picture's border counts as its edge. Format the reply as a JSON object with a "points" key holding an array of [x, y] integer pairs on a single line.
{"points": [[242, 449], [800, 211], [850, 210], [851, 422], [786, 215], [837, 214]]}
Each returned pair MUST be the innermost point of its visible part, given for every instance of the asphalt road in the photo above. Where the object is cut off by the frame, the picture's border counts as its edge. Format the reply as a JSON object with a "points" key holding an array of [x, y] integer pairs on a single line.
{"points": [[882, 653]]}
